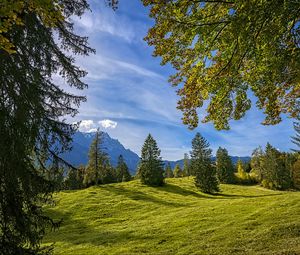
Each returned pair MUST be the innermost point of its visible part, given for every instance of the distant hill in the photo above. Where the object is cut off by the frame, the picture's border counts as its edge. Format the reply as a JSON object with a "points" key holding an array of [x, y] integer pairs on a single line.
{"points": [[81, 143]]}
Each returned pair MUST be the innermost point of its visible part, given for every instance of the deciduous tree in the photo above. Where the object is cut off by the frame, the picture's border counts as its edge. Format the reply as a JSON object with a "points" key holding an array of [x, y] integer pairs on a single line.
{"points": [[223, 49]]}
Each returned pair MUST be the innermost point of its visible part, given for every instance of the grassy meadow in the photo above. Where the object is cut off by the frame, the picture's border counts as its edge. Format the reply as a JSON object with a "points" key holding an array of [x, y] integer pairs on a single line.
{"points": [[130, 218]]}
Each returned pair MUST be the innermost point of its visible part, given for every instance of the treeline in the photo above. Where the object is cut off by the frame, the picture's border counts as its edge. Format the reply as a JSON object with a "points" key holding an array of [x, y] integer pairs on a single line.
{"points": [[270, 168], [97, 171]]}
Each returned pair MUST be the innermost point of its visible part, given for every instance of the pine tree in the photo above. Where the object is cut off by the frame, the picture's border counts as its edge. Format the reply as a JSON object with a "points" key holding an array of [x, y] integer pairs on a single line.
{"points": [[122, 172], [55, 174], [98, 165], [177, 171], [205, 174], [151, 168], [168, 171], [32, 112], [224, 167], [186, 166]]}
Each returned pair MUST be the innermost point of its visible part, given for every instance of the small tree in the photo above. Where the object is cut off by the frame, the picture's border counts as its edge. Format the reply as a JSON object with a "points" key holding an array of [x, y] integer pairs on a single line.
{"points": [[186, 166], [122, 172], [242, 176], [177, 171], [151, 168], [205, 174], [168, 171], [224, 167]]}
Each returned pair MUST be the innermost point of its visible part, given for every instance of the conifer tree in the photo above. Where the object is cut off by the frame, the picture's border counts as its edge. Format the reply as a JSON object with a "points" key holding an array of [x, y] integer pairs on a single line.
{"points": [[168, 171], [186, 166], [98, 164], [205, 174], [32, 111], [224, 167], [122, 172], [177, 171], [151, 168], [275, 173]]}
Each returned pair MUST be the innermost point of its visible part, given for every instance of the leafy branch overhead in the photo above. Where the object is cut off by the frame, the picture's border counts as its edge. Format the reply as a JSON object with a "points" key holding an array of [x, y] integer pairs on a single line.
{"points": [[222, 50]]}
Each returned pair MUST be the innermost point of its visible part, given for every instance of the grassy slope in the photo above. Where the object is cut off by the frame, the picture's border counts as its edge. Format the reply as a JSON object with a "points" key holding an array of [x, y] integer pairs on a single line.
{"points": [[130, 218]]}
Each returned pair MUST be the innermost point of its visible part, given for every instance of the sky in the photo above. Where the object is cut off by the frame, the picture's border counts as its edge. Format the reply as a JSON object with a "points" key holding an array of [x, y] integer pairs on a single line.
{"points": [[129, 95]]}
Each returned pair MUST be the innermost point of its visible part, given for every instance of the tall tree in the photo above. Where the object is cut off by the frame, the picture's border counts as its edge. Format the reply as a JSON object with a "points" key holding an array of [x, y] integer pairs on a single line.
{"points": [[168, 171], [177, 171], [224, 167], [205, 173], [275, 174], [186, 165], [222, 49], [296, 138], [151, 168], [122, 171], [98, 164], [39, 42]]}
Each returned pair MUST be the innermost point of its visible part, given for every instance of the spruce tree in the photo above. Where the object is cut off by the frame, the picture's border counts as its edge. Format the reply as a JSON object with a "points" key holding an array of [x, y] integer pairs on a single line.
{"points": [[33, 110], [98, 165], [186, 166], [205, 174], [224, 167], [177, 171], [122, 172], [151, 168], [168, 171]]}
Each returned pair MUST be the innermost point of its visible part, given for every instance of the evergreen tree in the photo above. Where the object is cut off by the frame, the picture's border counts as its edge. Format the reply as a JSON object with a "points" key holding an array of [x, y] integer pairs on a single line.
{"points": [[186, 166], [256, 166], [55, 174], [32, 112], [122, 172], [205, 174], [224, 167], [168, 171], [151, 168], [71, 181], [275, 173], [98, 167], [177, 171]]}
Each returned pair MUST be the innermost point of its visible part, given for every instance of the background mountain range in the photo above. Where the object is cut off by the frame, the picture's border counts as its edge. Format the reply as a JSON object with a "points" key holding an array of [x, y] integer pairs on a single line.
{"points": [[81, 143]]}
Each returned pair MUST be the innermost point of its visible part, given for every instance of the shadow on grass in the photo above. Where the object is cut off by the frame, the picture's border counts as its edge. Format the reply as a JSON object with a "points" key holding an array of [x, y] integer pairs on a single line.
{"points": [[140, 196], [185, 192], [76, 231]]}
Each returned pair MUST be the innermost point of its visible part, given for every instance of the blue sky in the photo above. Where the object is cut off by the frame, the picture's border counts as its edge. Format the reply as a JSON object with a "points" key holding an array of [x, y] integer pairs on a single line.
{"points": [[129, 95]]}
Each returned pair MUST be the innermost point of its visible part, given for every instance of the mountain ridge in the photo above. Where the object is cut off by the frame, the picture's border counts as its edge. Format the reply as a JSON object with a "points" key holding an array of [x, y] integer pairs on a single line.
{"points": [[113, 147]]}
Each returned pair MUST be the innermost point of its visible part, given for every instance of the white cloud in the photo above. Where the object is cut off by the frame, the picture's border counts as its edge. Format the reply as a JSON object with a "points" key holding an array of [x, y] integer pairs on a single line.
{"points": [[87, 126], [108, 123]]}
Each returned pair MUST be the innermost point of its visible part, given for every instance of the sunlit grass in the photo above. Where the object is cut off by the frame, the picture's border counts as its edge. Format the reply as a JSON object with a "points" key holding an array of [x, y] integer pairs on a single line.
{"points": [[130, 218]]}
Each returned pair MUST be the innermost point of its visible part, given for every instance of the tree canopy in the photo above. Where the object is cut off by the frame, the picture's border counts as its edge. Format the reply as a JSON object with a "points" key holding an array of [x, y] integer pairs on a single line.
{"points": [[221, 50]]}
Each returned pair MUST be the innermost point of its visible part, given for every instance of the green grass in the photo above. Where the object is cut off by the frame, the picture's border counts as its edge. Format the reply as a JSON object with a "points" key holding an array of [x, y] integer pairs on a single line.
{"points": [[130, 218]]}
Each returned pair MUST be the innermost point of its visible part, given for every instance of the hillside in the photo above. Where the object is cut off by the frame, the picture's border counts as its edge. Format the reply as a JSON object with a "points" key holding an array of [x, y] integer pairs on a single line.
{"points": [[130, 218]]}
